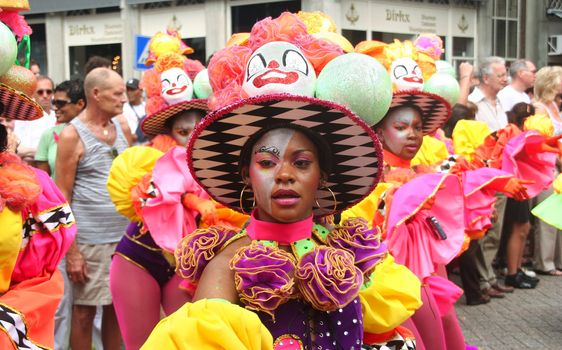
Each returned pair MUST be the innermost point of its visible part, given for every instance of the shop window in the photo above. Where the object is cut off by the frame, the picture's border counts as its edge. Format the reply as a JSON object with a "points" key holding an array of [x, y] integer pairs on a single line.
{"points": [[38, 47], [354, 36], [463, 47], [389, 37], [243, 17], [505, 19], [79, 55]]}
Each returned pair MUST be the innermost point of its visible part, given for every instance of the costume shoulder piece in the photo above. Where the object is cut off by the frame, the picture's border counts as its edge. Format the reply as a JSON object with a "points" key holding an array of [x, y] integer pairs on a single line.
{"points": [[328, 268]]}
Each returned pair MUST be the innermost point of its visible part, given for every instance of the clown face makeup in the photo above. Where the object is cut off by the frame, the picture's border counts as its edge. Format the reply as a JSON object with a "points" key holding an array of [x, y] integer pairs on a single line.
{"points": [[401, 132], [279, 67], [176, 86], [406, 74], [284, 174]]}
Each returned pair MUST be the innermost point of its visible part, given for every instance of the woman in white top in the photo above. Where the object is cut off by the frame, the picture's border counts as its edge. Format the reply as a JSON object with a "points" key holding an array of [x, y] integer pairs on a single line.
{"points": [[548, 240]]}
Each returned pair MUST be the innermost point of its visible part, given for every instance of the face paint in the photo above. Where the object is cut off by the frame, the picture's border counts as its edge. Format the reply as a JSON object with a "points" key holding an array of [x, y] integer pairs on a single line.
{"points": [[406, 74], [267, 157], [284, 174], [183, 126], [402, 133], [176, 86], [278, 67]]}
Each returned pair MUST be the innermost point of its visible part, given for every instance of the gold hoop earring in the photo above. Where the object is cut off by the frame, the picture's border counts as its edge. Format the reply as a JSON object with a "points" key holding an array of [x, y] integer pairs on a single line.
{"points": [[333, 197], [241, 200]]}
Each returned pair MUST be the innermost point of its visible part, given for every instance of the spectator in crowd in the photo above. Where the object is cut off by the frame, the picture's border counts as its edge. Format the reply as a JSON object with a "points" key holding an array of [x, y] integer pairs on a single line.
{"points": [[34, 67], [522, 73], [29, 132], [68, 102], [96, 62], [492, 75], [87, 147], [548, 240], [134, 109]]}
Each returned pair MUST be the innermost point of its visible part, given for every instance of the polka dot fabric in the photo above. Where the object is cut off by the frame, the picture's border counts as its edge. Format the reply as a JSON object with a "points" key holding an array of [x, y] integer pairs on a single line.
{"points": [[297, 321]]}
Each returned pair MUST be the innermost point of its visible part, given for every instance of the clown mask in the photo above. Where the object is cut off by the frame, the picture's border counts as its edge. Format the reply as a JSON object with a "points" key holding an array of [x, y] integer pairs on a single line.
{"points": [[176, 86], [279, 67], [406, 75]]}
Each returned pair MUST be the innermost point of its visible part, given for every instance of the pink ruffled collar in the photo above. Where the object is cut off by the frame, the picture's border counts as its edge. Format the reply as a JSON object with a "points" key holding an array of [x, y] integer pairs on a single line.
{"points": [[284, 234]]}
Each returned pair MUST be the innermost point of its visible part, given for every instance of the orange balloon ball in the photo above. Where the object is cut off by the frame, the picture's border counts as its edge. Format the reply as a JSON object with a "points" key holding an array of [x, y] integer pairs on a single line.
{"points": [[21, 79]]}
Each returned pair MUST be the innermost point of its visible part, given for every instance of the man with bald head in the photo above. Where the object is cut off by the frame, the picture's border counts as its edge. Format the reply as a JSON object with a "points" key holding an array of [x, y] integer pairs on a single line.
{"points": [[86, 149]]}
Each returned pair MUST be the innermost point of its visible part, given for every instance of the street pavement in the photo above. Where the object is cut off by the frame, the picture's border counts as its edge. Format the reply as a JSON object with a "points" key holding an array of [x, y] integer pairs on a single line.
{"points": [[525, 319]]}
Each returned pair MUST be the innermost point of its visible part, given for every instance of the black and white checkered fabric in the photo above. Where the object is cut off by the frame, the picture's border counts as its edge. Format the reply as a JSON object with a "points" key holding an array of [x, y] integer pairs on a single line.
{"points": [[18, 106], [215, 145], [155, 124], [435, 109], [14, 325], [48, 220]]}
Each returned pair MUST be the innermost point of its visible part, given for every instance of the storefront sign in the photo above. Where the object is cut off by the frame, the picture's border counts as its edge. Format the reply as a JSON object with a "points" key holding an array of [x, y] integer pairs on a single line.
{"points": [[390, 18], [410, 20], [93, 30]]}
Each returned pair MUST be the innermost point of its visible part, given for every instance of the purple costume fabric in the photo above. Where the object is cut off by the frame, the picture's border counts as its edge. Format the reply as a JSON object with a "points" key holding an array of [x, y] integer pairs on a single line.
{"points": [[338, 330], [142, 250]]}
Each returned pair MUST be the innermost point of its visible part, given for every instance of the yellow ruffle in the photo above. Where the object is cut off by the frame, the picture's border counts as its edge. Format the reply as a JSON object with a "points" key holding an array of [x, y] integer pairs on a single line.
{"points": [[540, 123], [10, 244], [432, 152], [367, 208], [558, 184], [391, 298], [208, 325], [126, 171], [468, 135]]}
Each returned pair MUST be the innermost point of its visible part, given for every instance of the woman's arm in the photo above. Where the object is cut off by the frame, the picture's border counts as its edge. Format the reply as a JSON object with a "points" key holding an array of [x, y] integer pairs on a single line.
{"points": [[217, 280]]}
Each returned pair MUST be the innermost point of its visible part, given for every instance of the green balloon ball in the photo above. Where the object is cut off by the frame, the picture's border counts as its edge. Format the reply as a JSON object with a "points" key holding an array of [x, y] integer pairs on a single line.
{"points": [[443, 85], [8, 48], [201, 86], [445, 67], [358, 82]]}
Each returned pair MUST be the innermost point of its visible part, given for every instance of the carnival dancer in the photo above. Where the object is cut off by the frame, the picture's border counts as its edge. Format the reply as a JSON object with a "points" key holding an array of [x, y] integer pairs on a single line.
{"points": [[153, 188], [422, 208], [290, 159], [37, 223]]}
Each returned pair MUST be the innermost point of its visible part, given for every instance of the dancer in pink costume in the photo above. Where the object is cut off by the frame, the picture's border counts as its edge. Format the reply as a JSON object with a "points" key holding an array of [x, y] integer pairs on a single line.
{"points": [[152, 186]]}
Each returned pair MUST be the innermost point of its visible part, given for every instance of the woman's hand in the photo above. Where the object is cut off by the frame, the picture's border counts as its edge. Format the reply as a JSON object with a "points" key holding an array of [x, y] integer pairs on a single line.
{"points": [[205, 207], [516, 189]]}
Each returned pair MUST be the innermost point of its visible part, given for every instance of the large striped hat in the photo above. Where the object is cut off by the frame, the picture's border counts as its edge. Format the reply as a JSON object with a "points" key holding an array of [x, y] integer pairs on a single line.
{"points": [[435, 110], [215, 146]]}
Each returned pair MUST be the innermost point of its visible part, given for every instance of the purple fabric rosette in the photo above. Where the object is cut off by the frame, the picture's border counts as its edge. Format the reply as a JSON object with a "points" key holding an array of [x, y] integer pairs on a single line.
{"points": [[328, 278], [195, 250], [354, 236], [263, 276]]}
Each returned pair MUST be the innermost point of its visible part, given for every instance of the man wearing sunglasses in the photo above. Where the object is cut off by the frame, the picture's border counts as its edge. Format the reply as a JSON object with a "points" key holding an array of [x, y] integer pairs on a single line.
{"points": [[29, 132], [68, 102]]}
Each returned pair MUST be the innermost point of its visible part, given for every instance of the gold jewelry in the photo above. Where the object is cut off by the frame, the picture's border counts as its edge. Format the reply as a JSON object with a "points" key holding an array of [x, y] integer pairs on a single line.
{"points": [[105, 132], [333, 197], [241, 199]]}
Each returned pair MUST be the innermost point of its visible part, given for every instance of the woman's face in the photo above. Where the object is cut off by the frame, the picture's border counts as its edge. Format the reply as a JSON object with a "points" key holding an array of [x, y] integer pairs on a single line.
{"points": [[284, 174], [183, 126], [401, 132]]}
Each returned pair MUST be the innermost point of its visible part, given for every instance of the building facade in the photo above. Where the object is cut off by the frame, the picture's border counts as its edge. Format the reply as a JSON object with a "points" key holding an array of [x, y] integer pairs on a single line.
{"points": [[68, 32]]}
